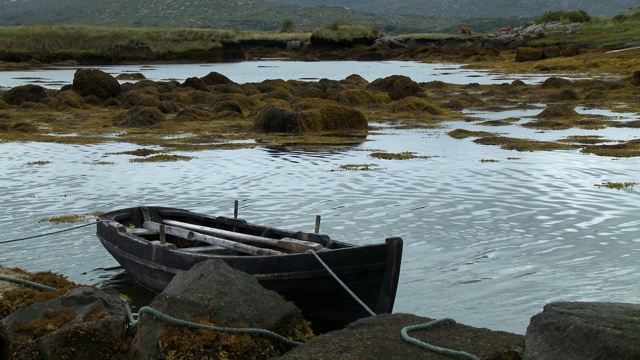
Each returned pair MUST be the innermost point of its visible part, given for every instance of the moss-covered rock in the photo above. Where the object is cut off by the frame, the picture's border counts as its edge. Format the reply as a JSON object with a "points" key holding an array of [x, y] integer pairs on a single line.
{"points": [[67, 99], [412, 104], [96, 82], [397, 86], [274, 119], [141, 117], [25, 93]]}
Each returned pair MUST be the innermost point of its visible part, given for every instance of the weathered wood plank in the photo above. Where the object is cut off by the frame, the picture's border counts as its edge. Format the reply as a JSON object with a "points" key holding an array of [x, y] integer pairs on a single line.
{"points": [[294, 245], [194, 236]]}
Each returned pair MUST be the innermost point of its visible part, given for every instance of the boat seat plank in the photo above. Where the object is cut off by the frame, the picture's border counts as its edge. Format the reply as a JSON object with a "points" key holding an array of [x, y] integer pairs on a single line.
{"points": [[197, 249], [194, 236], [290, 244], [141, 231]]}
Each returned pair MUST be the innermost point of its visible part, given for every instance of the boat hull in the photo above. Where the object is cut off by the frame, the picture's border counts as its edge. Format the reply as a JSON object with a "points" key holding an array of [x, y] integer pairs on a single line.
{"points": [[369, 271]]}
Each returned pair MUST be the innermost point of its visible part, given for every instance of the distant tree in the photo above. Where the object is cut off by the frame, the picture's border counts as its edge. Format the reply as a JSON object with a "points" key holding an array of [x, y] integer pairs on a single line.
{"points": [[286, 25]]}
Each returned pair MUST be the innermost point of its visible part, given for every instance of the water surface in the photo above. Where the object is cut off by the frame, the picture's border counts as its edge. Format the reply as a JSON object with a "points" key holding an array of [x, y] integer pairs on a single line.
{"points": [[491, 236]]}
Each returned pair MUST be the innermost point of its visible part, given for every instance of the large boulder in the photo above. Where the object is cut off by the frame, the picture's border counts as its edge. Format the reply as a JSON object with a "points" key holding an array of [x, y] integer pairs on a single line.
{"points": [[584, 331], [276, 119], [83, 323], [87, 82], [215, 78], [24, 93], [380, 337], [213, 293], [397, 86]]}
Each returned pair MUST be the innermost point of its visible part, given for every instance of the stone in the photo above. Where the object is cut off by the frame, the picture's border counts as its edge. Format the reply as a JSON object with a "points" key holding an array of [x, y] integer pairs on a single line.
{"points": [[83, 323], [96, 82], [397, 86], [529, 54], [584, 331], [380, 337], [24, 93], [215, 78], [213, 292]]}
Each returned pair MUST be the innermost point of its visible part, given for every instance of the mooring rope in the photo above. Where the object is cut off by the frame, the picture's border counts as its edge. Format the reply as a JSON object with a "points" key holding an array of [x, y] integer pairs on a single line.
{"points": [[344, 286], [135, 318], [53, 233], [27, 282], [440, 350]]}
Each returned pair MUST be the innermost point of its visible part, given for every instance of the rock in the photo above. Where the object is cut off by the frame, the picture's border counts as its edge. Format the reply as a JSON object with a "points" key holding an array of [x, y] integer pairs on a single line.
{"points": [[275, 119], [583, 331], [67, 99], [529, 54], [215, 78], [83, 323], [195, 83], [96, 82], [555, 83], [551, 52], [388, 42], [24, 93], [397, 86], [216, 294], [293, 45], [141, 117], [379, 337], [131, 76]]}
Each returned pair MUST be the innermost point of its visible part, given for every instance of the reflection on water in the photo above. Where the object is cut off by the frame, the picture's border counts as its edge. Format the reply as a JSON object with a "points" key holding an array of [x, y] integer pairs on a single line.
{"points": [[486, 243]]}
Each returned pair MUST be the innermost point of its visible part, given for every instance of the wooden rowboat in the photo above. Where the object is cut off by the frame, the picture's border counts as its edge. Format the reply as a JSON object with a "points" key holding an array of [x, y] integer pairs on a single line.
{"points": [[155, 243]]}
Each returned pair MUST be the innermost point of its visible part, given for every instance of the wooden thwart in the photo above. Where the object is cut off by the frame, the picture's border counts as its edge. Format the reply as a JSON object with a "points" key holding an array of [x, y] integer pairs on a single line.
{"points": [[194, 236], [293, 245]]}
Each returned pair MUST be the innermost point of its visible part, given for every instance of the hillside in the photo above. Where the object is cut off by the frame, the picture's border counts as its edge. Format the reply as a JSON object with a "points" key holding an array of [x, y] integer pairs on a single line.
{"points": [[227, 14], [473, 8]]}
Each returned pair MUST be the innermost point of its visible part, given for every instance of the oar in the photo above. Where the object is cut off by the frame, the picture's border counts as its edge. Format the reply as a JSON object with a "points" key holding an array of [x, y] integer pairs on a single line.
{"points": [[294, 245], [191, 235]]}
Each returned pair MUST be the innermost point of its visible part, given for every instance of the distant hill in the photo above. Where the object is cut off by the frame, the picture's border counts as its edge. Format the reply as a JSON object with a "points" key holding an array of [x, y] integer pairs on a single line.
{"points": [[390, 16], [474, 8]]}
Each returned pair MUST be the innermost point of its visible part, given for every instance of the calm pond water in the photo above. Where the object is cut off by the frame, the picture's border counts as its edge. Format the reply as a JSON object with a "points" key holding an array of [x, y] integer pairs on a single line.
{"points": [[490, 235]]}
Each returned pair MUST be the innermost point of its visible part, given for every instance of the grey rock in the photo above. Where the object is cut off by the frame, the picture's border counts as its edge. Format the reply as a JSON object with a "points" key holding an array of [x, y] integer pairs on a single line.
{"points": [[584, 331]]}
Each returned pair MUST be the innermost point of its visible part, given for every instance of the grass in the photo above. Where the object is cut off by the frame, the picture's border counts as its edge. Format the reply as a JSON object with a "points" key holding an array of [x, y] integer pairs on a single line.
{"points": [[345, 32], [35, 39]]}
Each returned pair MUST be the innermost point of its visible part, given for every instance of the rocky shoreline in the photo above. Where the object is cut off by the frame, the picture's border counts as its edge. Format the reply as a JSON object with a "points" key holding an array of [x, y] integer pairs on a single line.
{"points": [[218, 302]]}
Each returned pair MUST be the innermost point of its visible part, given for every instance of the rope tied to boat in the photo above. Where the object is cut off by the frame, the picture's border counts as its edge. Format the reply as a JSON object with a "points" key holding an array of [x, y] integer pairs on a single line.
{"points": [[53, 232], [405, 331], [135, 318], [27, 282], [430, 347], [344, 286]]}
